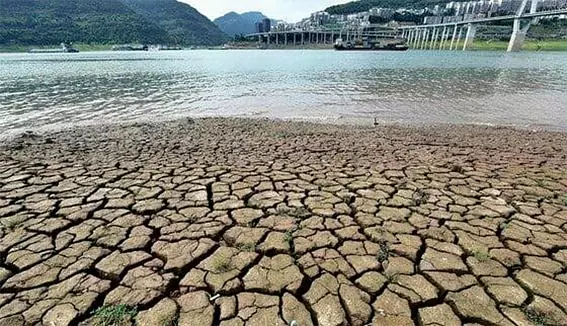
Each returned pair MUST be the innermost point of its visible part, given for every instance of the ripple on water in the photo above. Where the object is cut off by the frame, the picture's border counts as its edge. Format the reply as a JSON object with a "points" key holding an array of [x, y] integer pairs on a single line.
{"points": [[47, 91]]}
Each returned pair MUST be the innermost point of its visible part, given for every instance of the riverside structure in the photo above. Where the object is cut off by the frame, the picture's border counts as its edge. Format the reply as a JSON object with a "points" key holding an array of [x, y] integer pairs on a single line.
{"points": [[443, 36]]}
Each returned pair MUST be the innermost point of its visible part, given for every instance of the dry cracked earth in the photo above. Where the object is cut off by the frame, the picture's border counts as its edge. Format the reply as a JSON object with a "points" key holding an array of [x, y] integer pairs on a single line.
{"points": [[246, 222]]}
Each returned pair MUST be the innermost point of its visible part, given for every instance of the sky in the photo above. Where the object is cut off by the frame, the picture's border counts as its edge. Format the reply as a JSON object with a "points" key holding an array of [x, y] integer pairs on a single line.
{"points": [[289, 10]]}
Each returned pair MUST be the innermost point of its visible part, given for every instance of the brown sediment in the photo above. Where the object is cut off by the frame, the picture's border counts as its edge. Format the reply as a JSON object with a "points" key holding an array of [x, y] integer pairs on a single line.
{"points": [[258, 222]]}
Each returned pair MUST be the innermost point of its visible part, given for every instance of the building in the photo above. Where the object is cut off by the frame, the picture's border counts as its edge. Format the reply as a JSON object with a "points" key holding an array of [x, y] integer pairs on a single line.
{"points": [[259, 27], [266, 25]]}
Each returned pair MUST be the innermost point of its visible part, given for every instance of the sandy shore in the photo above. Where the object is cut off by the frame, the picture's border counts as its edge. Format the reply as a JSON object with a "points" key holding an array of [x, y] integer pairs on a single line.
{"points": [[257, 222]]}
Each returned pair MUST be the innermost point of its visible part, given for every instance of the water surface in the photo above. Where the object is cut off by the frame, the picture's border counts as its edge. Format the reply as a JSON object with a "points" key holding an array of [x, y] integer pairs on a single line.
{"points": [[52, 91]]}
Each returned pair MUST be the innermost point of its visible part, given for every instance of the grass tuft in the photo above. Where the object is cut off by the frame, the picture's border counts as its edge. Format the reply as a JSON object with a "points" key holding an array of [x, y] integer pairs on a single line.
{"points": [[481, 255], [249, 247], [457, 168], [383, 251], [539, 318], [116, 315], [221, 264]]}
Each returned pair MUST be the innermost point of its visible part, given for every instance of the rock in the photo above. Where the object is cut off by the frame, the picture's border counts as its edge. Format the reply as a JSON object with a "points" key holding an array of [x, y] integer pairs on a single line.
{"points": [[486, 267], [474, 303], [390, 309], [150, 206], [220, 270], [245, 216], [414, 287], [440, 315], [181, 253], [372, 282], [275, 242], [545, 312], [452, 282], [265, 199], [60, 315], [355, 302], [116, 263], [544, 286], [292, 310], [195, 309], [324, 300], [257, 309], [543, 265], [162, 313], [433, 260], [139, 286], [274, 274], [505, 290], [227, 307]]}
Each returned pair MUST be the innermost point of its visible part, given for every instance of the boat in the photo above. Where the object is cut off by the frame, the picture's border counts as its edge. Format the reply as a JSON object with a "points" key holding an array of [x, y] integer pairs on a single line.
{"points": [[65, 48], [383, 45]]}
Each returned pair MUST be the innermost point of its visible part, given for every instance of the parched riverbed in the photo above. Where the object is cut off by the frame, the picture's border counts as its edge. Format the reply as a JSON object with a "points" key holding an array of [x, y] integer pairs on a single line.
{"points": [[256, 222]]}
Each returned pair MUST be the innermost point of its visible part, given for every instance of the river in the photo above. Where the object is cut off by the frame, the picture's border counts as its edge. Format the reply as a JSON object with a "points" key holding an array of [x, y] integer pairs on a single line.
{"points": [[54, 91]]}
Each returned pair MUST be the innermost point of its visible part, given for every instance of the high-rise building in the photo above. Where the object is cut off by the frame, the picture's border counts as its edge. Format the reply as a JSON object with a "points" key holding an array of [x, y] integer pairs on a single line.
{"points": [[266, 25], [259, 27]]}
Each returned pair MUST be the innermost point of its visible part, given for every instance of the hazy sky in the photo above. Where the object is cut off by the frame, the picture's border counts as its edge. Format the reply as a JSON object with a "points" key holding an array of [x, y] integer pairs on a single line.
{"points": [[288, 10]]}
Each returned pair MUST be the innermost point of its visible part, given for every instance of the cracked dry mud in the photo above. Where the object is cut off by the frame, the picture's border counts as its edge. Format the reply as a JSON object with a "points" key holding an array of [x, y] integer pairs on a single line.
{"points": [[246, 222]]}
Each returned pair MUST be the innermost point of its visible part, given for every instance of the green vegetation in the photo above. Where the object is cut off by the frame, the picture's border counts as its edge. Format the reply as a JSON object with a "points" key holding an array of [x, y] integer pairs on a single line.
{"points": [[481, 255], [539, 318], [184, 24], [364, 5], [221, 264], [248, 247], [26, 23], [237, 24], [119, 315], [529, 45], [384, 251]]}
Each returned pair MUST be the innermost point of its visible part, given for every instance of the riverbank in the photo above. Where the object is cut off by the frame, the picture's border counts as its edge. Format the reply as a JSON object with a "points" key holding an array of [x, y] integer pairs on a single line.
{"points": [[478, 45], [254, 222]]}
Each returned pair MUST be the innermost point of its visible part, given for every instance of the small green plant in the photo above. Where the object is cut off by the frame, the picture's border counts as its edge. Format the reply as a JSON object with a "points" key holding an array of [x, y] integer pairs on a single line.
{"points": [[564, 200], [169, 321], [392, 277], [383, 251], [288, 236], [249, 247], [221, 264], [481, 255], [539, 318], [420, 197], [117, 315], [299, 212], [457, 168]]}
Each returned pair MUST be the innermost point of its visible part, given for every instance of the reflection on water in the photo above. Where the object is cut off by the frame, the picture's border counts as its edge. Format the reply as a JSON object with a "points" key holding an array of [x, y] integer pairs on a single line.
{"points": [[56, 90]]}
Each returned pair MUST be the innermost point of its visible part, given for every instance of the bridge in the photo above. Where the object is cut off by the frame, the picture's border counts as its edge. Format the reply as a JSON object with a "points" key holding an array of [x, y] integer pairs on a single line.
{"points": [[437, 36], [442, 36]]}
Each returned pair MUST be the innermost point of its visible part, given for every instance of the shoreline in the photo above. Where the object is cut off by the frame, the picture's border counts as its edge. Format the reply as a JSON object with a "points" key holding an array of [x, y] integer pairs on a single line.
{"points": [[231, 221], [258, 132], [547, 45]]}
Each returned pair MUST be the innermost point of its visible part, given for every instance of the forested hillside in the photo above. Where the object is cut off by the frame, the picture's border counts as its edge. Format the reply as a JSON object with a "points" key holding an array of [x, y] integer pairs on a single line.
{"points": [[237, 24], [183, 23], [364, 5], [50, 22]]}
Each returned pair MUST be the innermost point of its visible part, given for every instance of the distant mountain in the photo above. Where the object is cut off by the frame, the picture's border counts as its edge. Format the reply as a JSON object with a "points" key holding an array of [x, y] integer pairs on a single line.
{"points": [[50, 22], [364, 5], [236, 24], [183, 23]]}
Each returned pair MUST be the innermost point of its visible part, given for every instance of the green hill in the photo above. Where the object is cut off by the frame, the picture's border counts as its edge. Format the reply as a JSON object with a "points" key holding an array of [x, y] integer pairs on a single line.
{"points": [[183, 23], [50, 22], [236, 24], [364, 5]]}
